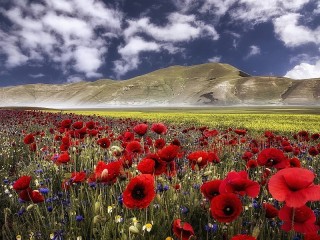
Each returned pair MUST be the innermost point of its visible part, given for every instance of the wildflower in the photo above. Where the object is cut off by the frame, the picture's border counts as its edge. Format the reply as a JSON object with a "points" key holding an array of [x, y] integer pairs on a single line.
{"points": [[271, 211], [151, 164], [226, 207], [134, 147], [141, 129], [168, 153], [109, 209], [243, 237], [28, 139], [238, 182], [22, 183], [272, 157], [210, 189], [118, 219], [294, 186], [103, 142], [108, 173], [301, 219], [139, 192], [79, 218], [147, 227], [182, 230], [159, 128]]}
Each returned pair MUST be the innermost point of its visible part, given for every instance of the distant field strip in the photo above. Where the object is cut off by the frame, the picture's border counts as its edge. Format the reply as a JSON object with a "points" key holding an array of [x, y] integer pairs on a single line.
{"points": [[279, 122]]}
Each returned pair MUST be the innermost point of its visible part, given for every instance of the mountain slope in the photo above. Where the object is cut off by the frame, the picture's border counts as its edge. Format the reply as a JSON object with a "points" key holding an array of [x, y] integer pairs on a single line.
{"points": [[205, 84]]}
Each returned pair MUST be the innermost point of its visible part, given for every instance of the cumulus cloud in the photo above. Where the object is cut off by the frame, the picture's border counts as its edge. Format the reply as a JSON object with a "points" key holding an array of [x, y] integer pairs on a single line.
{"points": [[252, 12], [293, 34], [305, 70], [63, 32], [253, 50], [215, 59], [74, 79], [38, 75], [130, 54], [179, 28]]}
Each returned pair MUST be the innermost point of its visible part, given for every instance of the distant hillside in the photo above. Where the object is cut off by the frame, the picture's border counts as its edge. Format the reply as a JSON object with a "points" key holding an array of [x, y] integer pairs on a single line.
{"points": [[205, 84]]}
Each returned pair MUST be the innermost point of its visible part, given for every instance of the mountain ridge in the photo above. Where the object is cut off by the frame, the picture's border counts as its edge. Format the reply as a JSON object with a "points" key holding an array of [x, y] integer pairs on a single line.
{"points": [[214, 84]]}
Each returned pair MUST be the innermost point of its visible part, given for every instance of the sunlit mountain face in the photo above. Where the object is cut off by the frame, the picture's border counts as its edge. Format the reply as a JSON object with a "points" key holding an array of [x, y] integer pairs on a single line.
{"points": [[204, 85]]}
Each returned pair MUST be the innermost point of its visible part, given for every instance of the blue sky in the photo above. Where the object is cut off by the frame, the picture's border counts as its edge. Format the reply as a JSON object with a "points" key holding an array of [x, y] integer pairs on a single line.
{"points": [[65, 41]]}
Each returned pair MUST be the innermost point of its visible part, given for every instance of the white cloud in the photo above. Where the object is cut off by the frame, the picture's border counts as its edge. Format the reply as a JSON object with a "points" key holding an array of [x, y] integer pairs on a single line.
{"points": [[74, 79], [185, 5], [179, 28], [88, 60], [215, 59], [38, 75], [304, 70], [62, 32], [218, 7], [292, 34], [137, 45], [253, 50], [130, 54]]}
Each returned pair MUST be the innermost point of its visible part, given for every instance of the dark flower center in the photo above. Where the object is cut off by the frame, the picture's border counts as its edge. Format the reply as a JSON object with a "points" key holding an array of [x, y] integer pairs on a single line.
{"points": [[138, 192], [227, 210]]}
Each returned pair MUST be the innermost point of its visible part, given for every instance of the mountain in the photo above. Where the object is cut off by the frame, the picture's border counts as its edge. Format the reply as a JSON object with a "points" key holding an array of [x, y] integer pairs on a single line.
{"points": [[205, 84]]}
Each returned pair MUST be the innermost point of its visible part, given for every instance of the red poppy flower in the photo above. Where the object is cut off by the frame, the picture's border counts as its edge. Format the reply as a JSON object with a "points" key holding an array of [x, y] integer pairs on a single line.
{"points": [[198, 158], [63, 158], [127, 136], [301, 219], [213, 157], [243, 237], [104, 142], [272, 157], [311, 236], [270, 210], [108, 173], [210, 189], [238, 182], [141, 129], [313, 151], [159, 128], [66, 123], [159, 143], [77, 125], [169, 153], [28, 139], [315, 136], [210, 133], [247, 155], [294, 162], [78, 177], [252, 164], [240, 132], [151, 164], [36, 196], [139, 192], [182, 230], [225, 207], [90, 125], [294, 186], [134, 147], [25, 194], [22, 183]]}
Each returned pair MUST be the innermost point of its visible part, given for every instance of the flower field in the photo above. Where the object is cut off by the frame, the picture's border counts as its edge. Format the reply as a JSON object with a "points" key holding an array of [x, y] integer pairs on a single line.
{"points": [[176, 176]]}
